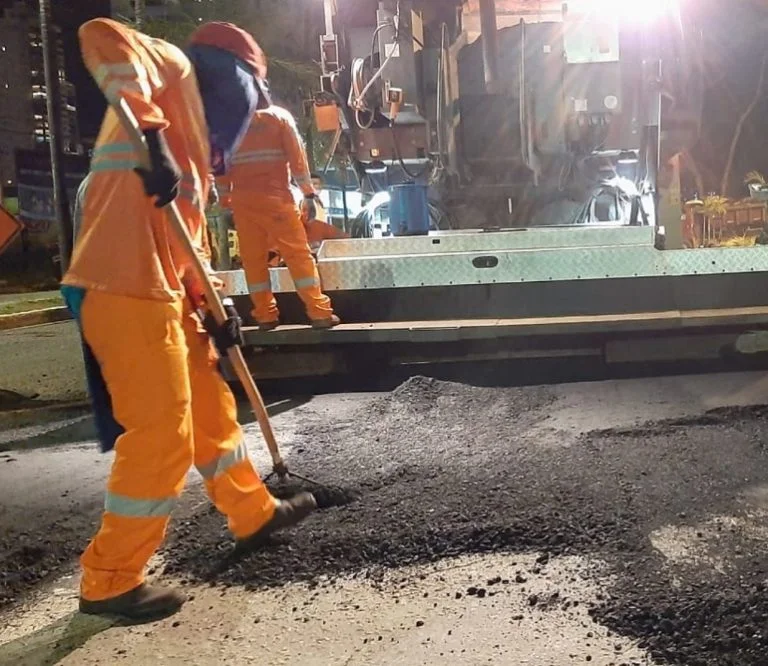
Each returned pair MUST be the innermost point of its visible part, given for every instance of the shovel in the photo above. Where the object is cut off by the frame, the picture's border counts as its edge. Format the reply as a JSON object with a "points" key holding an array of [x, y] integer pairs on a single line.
{"points": [[235, 354]]}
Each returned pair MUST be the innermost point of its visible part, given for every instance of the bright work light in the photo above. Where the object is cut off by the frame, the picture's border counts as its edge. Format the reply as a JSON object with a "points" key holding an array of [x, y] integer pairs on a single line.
{"points": [[640, 12]]}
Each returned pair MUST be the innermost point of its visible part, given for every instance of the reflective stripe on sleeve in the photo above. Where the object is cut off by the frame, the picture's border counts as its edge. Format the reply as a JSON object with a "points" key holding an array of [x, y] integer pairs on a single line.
{"points": [[77, 217], [119, 78], [224, 463], [112, 148], [188, 189], [114, 157], [115, 90], [114, 165], [138, 508], [252, 156], [120, 69], [121, 157]]}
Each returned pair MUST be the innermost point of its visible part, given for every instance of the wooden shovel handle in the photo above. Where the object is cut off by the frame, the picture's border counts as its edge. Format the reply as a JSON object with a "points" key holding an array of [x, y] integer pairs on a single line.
{"points": [[235, 354]]}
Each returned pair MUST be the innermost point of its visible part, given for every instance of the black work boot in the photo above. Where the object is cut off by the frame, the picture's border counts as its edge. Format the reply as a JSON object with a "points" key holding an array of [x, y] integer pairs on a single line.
{"points": [[144, 603], [329, 322], [287, 514], [268, 325]]}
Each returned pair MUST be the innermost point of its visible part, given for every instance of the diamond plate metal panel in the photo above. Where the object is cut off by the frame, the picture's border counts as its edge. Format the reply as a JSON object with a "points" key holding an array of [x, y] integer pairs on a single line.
{"points": [[582, 263], [461, 268], [716, 260], [523, 239], [236, 284]]}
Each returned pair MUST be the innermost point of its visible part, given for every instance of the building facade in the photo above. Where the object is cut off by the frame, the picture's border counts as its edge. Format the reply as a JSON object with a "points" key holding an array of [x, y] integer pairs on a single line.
{"points": [[23, 94]]}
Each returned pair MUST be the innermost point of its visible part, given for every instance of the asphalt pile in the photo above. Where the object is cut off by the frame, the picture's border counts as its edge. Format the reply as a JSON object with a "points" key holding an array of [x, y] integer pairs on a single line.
{"points": [[444, 469], [31, 554]]}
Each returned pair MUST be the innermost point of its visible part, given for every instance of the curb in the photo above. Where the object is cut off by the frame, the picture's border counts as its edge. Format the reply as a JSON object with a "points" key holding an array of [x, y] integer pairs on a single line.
{"points": [[31, 414], [46, 407], [34, 318]]}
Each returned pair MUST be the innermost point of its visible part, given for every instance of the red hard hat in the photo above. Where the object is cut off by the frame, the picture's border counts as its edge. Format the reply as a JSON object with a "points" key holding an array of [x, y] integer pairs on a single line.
{"points": [[228, 37]]}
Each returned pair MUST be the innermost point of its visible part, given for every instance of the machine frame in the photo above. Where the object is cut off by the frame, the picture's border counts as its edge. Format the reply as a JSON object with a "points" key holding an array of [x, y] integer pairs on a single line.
{"points": [[603, 291]]}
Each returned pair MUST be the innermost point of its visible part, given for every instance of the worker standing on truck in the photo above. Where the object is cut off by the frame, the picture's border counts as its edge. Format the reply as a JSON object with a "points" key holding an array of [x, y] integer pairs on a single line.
{"points": [[266, 215], [133, 293]]}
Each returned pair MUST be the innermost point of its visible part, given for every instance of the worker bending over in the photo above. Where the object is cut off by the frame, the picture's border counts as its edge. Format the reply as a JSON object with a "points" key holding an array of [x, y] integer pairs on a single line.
{"points": [[266, 215], [135, 296], [317, 229]]}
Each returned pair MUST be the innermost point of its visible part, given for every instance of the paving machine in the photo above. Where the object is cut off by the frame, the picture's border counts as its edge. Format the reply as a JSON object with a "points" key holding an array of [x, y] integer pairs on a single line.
{"points": [[547, 134]]}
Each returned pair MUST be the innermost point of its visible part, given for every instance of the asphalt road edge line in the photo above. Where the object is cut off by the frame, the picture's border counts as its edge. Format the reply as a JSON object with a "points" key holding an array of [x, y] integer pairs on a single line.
{"points": [[34, 318]]}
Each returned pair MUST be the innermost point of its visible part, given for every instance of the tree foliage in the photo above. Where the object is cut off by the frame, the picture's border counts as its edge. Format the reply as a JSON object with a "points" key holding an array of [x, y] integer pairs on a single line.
{"points": [[287, 30], [732, 135]]}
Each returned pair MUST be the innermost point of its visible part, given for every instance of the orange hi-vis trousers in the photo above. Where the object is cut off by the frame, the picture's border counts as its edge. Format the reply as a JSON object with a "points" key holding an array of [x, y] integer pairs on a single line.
{"points": [[264, 223], [176, 410]]}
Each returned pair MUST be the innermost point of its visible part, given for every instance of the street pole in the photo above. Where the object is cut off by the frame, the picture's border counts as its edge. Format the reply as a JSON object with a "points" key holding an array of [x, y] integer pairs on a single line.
{"points": [[53, 95], [310, 139], [138, 13], [343, 165]]}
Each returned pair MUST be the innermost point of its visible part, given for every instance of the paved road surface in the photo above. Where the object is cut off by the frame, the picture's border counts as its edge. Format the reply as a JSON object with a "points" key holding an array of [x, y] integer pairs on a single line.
{"points": [[43, 362], [533, 608]]}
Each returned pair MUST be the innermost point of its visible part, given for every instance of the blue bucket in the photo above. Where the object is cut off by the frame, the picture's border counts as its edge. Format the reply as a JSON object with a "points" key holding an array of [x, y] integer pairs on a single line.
{"points": [[409, 210]]}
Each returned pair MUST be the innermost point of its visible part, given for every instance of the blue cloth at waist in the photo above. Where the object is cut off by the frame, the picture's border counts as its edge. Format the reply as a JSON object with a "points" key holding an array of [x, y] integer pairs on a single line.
{"points": [[107, 427]]}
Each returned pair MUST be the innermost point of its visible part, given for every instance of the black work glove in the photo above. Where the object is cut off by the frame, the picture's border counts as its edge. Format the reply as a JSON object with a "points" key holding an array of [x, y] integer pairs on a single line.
{"points": [[162, 179], [228, 334]]}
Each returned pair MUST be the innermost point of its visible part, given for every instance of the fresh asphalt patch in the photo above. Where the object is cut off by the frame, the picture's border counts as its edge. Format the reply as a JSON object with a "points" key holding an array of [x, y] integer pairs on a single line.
{"points": [[671, 509], [674, 514]]}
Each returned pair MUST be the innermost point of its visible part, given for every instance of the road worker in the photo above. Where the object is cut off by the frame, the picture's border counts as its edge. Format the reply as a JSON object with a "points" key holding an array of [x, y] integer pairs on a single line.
{"points": [[132, 291], [317, 228], [266, 216], [318, 231]]}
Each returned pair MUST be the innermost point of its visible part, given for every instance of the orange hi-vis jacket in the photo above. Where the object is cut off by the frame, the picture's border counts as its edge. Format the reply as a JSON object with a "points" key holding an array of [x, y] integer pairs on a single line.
{"points": [[271, 153], [125, 245]]}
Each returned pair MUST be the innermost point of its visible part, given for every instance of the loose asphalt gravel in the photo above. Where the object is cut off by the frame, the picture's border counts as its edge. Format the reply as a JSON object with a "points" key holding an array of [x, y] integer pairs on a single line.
{"points": [[675, 510], [445, 469]]}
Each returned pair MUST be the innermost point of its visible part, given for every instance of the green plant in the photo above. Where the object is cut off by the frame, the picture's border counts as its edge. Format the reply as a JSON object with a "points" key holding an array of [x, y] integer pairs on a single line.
{"points": [[715, 205], [738, 241], [755, 178]]}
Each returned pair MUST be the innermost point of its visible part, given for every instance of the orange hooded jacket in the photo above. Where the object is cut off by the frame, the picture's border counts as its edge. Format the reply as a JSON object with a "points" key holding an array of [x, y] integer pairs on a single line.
{"points": [[271, 153], [125, 245]]}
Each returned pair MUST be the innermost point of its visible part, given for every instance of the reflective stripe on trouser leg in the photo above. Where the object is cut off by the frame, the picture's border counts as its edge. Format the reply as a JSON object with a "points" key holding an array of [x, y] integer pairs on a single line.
{"points": [[254, 254], [223, 463], [306, 283], [141, 349], [130, 507], [291, 240], [233, 484]]}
